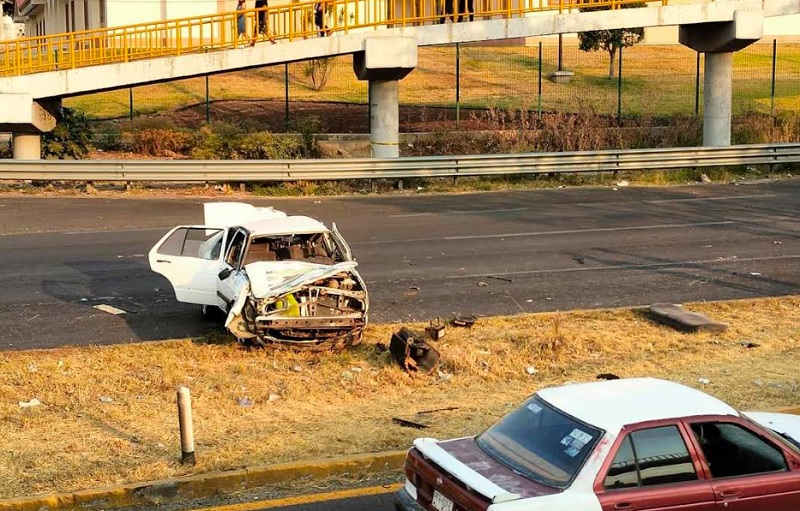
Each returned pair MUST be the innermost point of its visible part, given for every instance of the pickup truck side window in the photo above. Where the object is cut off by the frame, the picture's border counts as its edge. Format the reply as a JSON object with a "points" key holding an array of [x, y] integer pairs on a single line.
{"points": [[731, 450], [650, 457]]}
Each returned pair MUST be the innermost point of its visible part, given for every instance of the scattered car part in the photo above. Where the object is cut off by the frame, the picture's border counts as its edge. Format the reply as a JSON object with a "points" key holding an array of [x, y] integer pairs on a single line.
{"points": [[436, 329], [409, 424], [465, 321], [412, 352]]}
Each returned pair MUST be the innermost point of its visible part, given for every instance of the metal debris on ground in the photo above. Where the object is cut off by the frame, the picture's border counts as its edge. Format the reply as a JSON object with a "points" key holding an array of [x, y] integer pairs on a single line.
{"points": [[244, 401], [412, 352], [465, 320], [445, 409], [409, 424], [481, 284], [703, 381], [531, 370], [435, 329]]}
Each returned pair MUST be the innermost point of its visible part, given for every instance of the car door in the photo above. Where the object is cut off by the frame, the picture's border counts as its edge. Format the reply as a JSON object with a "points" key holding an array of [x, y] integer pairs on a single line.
{"points": [[229, 286], [341, 243], [652, 469], [748, 470], [190, 257]]}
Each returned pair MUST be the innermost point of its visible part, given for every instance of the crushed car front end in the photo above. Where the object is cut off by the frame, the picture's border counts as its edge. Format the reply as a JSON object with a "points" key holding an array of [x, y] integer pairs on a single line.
{"points": [[301, 305]]}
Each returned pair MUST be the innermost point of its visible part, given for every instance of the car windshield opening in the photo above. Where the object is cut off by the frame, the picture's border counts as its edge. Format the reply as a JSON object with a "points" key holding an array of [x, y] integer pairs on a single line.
{"points": [[313, 248], [540, 442]]}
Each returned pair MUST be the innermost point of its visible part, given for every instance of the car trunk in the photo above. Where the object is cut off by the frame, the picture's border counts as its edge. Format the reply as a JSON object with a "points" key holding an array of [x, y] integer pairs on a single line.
{"points": [[475, 480]]}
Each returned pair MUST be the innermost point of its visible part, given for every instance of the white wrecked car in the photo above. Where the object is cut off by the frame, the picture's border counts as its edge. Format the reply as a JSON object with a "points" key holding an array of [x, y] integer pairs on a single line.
{"points": [[281, 279]]}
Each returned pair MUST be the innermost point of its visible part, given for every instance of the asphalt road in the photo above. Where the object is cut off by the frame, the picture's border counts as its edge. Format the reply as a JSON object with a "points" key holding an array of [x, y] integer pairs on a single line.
{"points": [[485, 253]]}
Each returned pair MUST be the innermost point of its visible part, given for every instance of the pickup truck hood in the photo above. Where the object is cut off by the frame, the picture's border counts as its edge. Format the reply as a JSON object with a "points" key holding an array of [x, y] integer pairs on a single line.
{"points": [[271, 279], [782, 423]]}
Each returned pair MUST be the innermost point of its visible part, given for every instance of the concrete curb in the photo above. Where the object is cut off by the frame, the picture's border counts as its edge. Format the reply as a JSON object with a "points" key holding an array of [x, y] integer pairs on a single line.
{"points": [[205, 485]]}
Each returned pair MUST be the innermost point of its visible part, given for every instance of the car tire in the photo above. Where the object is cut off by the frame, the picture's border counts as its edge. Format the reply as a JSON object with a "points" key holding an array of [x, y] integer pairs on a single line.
{"points": [[211, 312]]}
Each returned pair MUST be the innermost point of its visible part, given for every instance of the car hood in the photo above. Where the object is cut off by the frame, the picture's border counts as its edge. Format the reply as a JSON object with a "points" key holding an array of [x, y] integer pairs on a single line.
{"points": [[782, 423], [271, 279]]}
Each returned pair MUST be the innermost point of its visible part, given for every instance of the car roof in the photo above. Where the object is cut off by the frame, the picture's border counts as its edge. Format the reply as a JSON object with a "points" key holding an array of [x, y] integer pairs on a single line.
{"points": [[286, 225], [613, 404]]}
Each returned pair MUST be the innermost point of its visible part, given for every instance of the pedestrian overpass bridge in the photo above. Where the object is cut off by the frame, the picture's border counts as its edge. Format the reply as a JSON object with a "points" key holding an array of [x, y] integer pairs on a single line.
{"points": [[382, 35]]}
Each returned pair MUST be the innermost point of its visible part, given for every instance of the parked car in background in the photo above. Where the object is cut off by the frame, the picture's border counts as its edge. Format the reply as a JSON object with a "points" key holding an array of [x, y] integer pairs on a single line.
{"points": [[281, 280], [629, 444]]}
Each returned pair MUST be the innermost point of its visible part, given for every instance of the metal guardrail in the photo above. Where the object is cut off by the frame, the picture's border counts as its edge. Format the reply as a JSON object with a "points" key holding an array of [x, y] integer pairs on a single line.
{"points": [[292, 21], [397, 168]]}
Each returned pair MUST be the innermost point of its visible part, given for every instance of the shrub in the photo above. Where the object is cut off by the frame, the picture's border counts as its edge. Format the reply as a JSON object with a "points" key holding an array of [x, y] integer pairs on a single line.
{"points": [[71, 138], [264, 145], [317, 72], [5, 150], [157, 142], [220, 143], [309, 127]]}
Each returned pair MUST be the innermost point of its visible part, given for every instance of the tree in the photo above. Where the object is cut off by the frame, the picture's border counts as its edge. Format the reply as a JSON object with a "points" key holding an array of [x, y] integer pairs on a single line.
{"points": [[610, 40]]}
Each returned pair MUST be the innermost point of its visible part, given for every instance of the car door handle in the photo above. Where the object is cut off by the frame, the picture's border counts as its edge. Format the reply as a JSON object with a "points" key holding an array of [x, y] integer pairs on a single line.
{"points": [[623, 505], [730, 494], [163, 261]]}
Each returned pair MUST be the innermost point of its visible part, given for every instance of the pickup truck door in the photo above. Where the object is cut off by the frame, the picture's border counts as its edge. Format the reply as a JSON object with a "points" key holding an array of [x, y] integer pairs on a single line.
{"points": [[191, 257]]}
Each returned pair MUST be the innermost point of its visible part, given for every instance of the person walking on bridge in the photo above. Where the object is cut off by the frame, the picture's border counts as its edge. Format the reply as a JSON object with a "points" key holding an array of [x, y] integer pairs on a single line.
{"points": [[241, 23], [262, 28]]}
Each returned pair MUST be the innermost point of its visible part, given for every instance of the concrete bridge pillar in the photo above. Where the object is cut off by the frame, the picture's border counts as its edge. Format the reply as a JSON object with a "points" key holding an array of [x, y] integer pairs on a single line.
{"points": [[27, 146], [719, 41], [385, 61], [26, 119]]}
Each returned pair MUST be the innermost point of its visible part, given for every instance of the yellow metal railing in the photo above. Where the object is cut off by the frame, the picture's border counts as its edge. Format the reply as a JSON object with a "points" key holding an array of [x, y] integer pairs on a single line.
{"points": [[288, 22]]}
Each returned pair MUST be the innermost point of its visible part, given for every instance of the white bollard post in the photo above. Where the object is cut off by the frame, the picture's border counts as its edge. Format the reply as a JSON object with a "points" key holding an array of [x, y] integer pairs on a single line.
{"points": [[185, 422]]}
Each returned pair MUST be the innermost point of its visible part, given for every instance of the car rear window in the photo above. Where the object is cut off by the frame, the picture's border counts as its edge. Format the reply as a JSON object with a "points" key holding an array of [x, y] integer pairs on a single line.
{"points": [[540, 442]]}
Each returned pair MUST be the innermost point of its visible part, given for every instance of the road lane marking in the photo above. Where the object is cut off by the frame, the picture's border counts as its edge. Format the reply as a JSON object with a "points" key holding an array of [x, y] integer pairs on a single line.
{"points": [[549, 233], [630, 266], [461, 212], [307, 499], [735, 197], [583, 204]]}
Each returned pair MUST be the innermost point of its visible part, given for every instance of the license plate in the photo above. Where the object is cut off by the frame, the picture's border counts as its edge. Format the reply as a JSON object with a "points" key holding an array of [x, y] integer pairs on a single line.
{"points": [[441, 503]]}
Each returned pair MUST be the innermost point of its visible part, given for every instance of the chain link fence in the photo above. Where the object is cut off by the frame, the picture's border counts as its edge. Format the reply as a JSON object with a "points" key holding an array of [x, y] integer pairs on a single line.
{"points": [[463, 86]]}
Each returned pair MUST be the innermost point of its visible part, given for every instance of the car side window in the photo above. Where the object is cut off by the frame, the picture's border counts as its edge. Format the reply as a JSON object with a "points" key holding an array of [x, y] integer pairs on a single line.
{"points": [[236, 248], [623, 472], [650, 457], [731, 450], [191, 242]]}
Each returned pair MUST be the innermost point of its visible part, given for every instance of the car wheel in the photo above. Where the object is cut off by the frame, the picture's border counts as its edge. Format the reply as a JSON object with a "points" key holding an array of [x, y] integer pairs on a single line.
{"points": [[211, 312]]}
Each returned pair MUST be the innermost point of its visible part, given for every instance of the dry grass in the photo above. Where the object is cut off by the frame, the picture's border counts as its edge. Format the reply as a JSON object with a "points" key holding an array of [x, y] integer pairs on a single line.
{"points": [[75, 440]]}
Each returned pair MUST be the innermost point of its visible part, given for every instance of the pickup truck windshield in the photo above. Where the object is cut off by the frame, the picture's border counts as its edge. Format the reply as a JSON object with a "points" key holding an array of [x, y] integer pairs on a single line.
{"points": [[540, 442]]}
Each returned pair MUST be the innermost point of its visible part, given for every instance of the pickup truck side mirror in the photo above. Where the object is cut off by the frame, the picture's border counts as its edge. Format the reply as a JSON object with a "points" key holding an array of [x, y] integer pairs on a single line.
{"points": [[224, 274]]}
